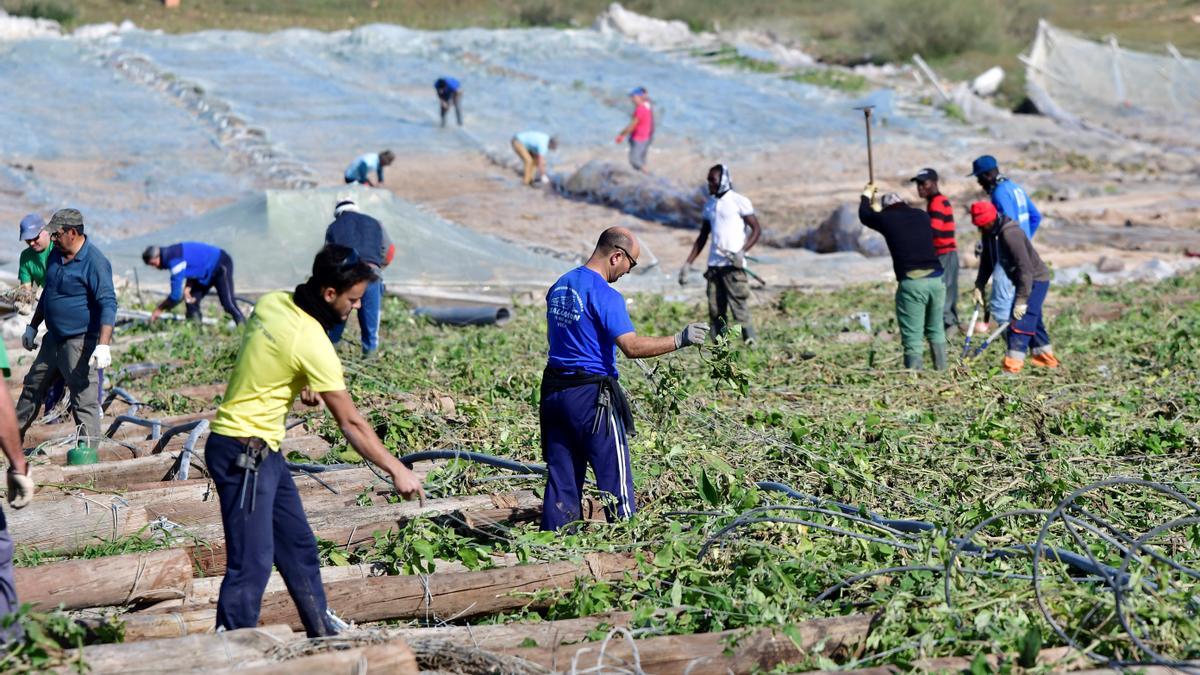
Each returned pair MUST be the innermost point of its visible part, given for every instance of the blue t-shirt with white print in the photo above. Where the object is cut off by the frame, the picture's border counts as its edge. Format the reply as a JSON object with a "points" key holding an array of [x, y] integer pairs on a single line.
{"points": [[584, 318]]}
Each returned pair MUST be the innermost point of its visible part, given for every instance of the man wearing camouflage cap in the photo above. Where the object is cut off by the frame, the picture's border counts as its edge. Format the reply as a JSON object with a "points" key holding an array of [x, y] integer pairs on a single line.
{"points": [[79, 307]]}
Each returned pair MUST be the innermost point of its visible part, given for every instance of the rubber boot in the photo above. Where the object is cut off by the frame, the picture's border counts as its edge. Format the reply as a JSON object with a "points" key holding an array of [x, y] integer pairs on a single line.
{"points": [[938, 349], [914, 361], [1012, 365], [1045, 360]]}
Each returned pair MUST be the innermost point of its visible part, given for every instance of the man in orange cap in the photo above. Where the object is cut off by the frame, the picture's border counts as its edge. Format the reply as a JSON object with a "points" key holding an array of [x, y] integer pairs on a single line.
{"points": [[1004, 242]]}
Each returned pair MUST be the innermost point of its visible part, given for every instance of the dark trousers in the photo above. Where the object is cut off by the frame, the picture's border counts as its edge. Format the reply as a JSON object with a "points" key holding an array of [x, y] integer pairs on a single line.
{"points": [[729, 293], [1030, 330], [455, 100], [274, 531], [949, 263], [222, 280], [569, 444]]}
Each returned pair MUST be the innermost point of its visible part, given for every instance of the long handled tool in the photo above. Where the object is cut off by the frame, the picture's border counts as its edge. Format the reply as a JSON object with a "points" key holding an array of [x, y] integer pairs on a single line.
{"points": [[970, 333], [995, 334], [870, 157]]}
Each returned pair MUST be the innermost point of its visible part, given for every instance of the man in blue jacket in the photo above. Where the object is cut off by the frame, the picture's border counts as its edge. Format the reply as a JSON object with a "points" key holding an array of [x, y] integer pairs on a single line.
{"points": [[449, 93], [370, 241], [1014, 203], [79, 307], [196, 269]]}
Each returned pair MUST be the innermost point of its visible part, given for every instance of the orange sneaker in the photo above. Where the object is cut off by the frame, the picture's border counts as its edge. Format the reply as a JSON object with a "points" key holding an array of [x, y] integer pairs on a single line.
{"points": [[1045, 360], [1012, 365]]}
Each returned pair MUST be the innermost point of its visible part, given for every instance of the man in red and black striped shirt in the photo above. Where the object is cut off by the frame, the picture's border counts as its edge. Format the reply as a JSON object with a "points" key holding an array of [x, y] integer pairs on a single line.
{"points": [[941, 218]]}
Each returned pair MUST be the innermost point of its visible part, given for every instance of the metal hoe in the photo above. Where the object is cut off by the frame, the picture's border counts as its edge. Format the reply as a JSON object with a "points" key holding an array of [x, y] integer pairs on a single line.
{"points": [[870, 157]]}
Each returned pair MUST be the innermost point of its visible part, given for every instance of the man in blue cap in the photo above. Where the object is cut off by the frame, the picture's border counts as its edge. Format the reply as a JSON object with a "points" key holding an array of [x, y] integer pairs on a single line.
{"points": [[1011, 201], [640, 129], [31, 270], [449, 93]]}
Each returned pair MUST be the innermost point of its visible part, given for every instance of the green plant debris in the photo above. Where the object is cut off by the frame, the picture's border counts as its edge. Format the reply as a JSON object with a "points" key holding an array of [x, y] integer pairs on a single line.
{"points": [[831, 78], [847, 424]]}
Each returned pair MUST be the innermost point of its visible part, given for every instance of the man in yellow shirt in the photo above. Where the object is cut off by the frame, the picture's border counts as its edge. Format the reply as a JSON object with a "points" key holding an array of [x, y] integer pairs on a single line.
{"points": [[285, 352]]}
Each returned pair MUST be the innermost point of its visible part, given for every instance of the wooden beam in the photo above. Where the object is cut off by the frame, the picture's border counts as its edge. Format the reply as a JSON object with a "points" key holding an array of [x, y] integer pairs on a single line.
{"points": [[733, 651], [442, 595], [389, 658], [114, 580], [229, 649]]}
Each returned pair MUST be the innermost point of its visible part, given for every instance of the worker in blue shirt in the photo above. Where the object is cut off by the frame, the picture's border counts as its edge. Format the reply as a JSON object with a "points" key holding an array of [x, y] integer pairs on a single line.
{"points": [[79, 307], [584, 413], [360, 169], [449, 92], [196, 269], [1014, 203]]}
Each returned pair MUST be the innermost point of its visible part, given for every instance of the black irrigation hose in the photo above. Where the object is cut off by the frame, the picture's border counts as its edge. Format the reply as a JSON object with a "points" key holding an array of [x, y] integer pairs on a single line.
{"points": [[1073, 518], [490, 460]]}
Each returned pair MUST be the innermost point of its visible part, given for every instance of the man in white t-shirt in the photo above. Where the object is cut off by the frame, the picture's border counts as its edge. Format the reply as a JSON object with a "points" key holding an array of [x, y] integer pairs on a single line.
{"points": [[727, 215]]}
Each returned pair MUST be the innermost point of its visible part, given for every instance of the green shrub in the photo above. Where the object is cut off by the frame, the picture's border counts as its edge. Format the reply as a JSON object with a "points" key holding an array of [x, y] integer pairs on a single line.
{"points": [[62, 11], [895, 30]]}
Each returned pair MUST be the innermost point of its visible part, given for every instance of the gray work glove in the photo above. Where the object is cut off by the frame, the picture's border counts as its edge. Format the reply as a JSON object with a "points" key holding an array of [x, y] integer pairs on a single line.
{"points": [[683, 274], [29, 339], [693, 334]]}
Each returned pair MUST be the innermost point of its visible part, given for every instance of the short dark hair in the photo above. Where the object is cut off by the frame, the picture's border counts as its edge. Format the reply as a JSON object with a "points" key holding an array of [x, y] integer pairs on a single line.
{"points": [[150, 253], [387, 157], [613, 239], [339, 268]]}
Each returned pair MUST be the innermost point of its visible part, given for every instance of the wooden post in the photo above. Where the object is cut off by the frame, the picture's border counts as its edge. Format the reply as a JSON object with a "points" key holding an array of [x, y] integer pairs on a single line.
{"points": [[709, 653], [230, 649], [390, 658], [115, 580]]}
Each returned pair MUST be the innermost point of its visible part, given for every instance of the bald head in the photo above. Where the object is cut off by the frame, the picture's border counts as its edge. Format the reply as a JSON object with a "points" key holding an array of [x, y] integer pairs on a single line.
{"points": [[616, 253]]}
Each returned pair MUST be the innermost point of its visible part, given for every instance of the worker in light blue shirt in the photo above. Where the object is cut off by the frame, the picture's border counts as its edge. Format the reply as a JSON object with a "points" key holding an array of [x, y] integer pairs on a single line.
{"points": [[533, 147], [1014, 203], [196, 268], [360, 170]]}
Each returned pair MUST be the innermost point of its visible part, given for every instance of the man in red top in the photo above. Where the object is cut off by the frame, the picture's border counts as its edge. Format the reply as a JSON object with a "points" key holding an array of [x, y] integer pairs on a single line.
{"points": [[941, 218], [640, 129]]}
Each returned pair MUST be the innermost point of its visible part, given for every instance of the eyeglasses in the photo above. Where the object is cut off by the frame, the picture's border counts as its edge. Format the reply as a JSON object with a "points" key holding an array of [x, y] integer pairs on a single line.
{"points": [[632, 262]]}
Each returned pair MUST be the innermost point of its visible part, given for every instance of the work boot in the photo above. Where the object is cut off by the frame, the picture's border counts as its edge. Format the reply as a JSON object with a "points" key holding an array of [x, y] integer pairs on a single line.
{"points": [[914, 361], [938, 349], [1045, 359], [1012, 365]]}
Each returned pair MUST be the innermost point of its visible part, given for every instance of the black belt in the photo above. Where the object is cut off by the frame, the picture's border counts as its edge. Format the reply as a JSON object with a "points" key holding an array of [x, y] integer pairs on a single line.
{"points": [[609, 395]]}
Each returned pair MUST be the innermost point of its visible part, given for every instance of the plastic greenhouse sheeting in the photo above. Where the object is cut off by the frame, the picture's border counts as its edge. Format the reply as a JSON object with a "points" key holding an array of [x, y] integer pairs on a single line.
{"points": [[1105, 85], [273, 236]]}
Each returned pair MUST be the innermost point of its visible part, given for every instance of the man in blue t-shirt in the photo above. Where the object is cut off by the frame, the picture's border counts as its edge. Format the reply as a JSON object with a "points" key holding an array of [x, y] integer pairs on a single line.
{"points": [[584, 413], [449, 93], [196, 269], [1012, 202]]}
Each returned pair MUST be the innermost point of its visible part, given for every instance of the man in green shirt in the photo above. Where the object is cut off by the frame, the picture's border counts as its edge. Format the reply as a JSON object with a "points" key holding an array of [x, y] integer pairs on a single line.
{"points": [[32, 270]]}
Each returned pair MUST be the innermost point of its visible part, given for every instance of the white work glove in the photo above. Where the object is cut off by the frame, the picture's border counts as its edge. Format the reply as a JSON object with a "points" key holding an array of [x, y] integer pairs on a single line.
{"points": [[977, 296], [683, 274], [101, 357], [20, 488], [29, 339], [870, 191], [1019, 311], [692, 334], [739, 259]]}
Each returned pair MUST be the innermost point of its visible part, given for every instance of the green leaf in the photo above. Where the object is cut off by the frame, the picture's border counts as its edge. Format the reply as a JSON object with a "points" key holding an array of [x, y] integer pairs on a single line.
{"points": [[1031, 644], [708, 490]]}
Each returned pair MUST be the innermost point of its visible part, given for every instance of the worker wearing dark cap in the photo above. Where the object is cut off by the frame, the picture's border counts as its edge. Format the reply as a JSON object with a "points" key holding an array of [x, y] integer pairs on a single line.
{"points": [[941, 219], [79, 307]]}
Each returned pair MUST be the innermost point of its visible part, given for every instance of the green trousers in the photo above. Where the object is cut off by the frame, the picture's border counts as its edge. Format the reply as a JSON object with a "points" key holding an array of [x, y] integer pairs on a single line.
{"points": [[919, 312]]}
